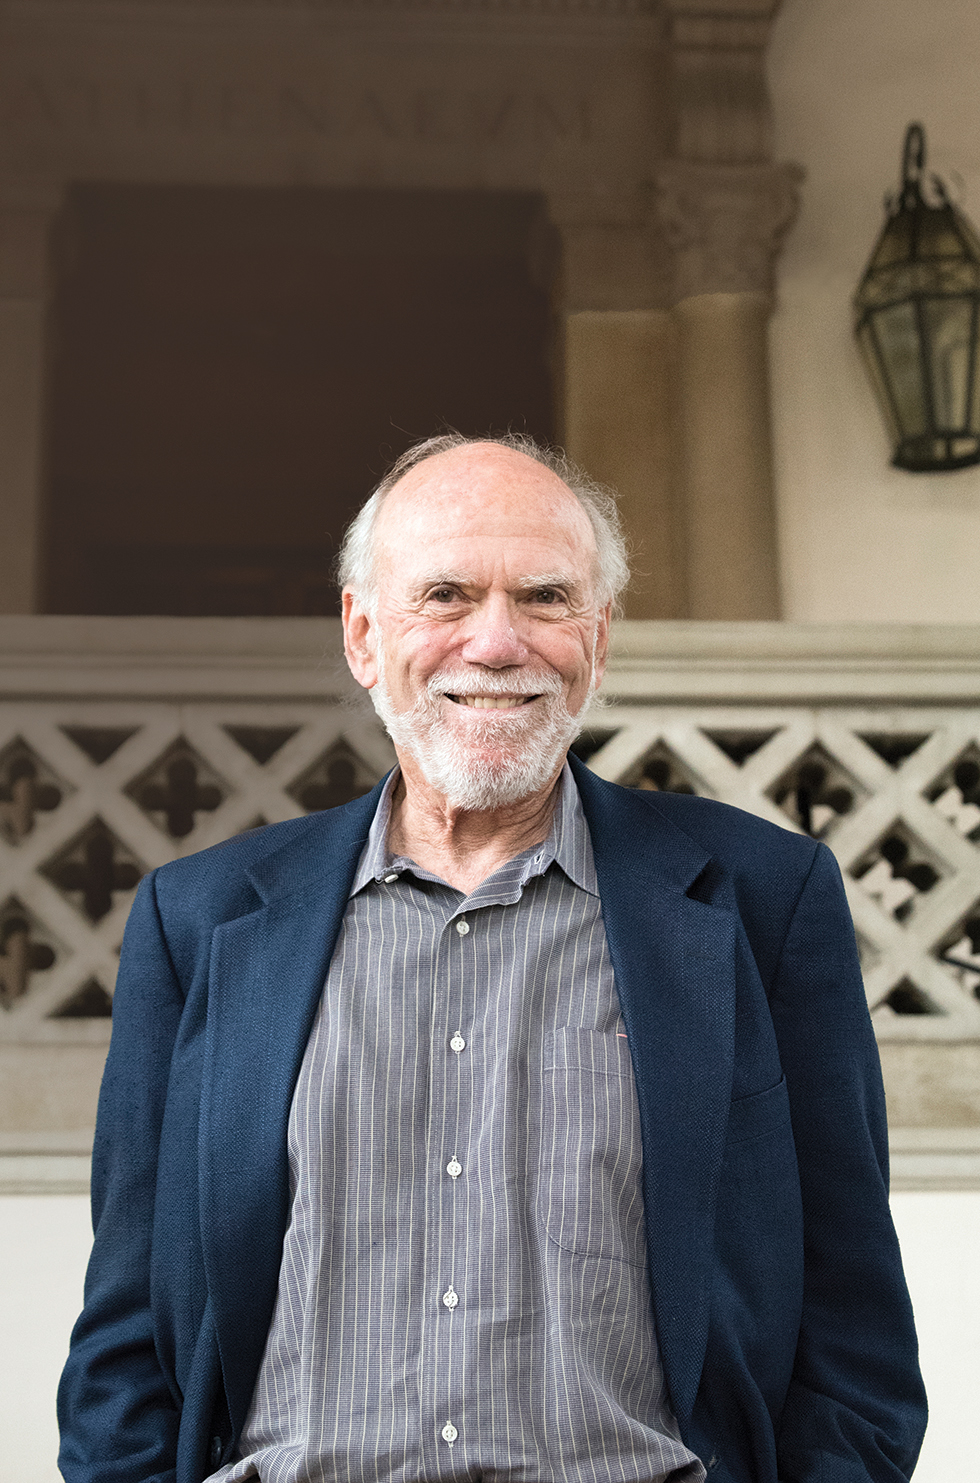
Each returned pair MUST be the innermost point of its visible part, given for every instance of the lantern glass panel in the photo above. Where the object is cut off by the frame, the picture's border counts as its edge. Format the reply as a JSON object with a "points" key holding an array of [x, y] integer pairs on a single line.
{"points": [[937, 234], [898, 336], [947, 323], [869, 349], [894, 245]]}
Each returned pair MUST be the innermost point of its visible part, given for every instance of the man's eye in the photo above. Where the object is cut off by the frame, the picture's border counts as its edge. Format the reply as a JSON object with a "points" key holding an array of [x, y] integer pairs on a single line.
{"points": [[443, 594], [547, 596]]}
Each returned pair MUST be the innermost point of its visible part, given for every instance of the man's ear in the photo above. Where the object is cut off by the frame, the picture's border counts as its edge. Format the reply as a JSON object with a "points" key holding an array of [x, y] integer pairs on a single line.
{"points": [[359, 640], [602, 641]]}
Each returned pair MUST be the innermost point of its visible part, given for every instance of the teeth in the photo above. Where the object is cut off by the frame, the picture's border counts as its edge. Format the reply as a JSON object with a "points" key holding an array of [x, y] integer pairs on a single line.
{"points": [[491, 702]]}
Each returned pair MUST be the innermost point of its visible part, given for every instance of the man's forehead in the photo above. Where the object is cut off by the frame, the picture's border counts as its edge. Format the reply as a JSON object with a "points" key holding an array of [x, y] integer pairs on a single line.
{"points": [[484, 489]]}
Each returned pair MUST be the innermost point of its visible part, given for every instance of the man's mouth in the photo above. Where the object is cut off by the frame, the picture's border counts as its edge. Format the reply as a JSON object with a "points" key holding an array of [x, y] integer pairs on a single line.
{"points": [[491, 702]]}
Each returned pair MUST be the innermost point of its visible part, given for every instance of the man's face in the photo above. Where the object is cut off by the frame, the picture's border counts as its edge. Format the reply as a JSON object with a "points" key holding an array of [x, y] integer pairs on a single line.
{"points": [[486, 640]]}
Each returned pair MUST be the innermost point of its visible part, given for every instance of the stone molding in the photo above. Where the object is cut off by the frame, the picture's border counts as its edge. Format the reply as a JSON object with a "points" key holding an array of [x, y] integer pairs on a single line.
{"points": [[722, 203], [934, 1159], [726, 223], [720, 96], [479, 7], [45, 1163]]}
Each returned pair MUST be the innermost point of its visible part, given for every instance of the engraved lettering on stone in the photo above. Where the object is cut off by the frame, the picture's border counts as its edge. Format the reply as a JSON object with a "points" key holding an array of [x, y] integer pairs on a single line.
{"points": [[373, 118], [30, 102], [431, 109], [551, 123], [240, 109], [300, 112], [428, 115], [490, 115]]}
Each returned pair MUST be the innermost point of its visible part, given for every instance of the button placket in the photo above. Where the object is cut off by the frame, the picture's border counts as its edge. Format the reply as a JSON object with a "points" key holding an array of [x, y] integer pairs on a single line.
{"points": [[450, 992]]}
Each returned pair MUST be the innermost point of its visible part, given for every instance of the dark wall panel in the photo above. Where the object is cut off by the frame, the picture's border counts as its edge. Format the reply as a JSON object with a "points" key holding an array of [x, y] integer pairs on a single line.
{"points": [[231, 371]]}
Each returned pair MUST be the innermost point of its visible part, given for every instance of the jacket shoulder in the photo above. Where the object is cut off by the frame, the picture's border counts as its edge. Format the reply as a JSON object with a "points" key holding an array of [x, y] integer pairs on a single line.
{"points": [[731, 833], [732, 836], [238, 875], [211, 869]]}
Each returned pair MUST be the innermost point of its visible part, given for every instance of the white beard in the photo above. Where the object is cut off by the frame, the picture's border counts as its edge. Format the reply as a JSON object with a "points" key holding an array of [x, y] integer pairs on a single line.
{"points": [[505, 758]]}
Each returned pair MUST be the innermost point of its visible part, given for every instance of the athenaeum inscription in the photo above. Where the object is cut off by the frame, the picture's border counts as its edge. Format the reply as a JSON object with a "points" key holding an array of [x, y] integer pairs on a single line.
{"points": [[432, 115]]}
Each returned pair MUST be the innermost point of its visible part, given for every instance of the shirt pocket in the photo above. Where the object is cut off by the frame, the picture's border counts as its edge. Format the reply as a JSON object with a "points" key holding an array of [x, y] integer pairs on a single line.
{"points": [[590, 1194]]}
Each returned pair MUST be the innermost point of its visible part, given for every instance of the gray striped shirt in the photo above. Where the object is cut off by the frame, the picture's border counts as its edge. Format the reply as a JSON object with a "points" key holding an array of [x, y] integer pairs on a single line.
{"points": [[463, 1288]]}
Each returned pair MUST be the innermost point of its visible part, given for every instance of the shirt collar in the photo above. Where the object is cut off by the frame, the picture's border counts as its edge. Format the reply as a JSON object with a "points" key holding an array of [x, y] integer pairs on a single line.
{"points": [[568, 845]]}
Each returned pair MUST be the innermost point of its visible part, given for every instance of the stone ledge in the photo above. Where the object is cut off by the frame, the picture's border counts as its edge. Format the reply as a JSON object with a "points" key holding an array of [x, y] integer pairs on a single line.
{"points": [[935, 1158], [664, 662], [44, 1174], [45, 1163]]}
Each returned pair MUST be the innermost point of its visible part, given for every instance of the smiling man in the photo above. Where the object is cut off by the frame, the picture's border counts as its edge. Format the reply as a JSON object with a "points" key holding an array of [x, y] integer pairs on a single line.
{"points": [[478, 618], [504, 1124]]}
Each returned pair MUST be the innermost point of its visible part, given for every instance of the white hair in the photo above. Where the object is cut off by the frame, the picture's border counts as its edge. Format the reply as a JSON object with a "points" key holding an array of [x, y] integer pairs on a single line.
{"points": [[355, 563]]}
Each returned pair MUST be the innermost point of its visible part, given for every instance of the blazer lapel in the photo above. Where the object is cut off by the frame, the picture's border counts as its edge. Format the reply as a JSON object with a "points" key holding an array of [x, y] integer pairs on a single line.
{"points": [[674, 961], [267, 973]]}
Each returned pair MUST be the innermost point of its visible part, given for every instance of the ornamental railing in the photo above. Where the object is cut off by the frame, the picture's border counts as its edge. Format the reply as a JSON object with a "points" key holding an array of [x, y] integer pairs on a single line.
{"points": [[125, 743]]}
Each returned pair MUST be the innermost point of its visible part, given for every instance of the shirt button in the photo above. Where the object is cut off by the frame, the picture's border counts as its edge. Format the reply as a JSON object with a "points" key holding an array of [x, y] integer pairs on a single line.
{"points": [[454, 1168], [457, 1043], [449, 1433], [462, 926], [390, 879], [450, 1297]]}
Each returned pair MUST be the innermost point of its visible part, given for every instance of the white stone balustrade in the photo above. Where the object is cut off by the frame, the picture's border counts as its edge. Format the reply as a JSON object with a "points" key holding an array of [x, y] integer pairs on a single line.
{"points": [[127, 742]]}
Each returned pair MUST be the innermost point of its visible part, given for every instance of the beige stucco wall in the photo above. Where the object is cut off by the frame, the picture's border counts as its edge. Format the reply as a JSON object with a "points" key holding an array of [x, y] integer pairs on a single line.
{"points": [[859, 539]]}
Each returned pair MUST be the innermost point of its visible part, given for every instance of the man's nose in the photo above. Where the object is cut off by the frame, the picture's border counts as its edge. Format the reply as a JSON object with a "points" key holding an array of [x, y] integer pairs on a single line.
{"points": [[493, 638]]}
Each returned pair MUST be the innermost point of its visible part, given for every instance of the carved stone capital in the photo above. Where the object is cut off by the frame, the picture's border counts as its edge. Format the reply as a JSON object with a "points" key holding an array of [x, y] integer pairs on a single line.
{"points": [[725, 223]]}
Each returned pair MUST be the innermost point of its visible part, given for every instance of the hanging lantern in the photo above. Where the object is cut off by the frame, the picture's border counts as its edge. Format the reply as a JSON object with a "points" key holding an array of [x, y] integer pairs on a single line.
{"points": [[917, 323]]}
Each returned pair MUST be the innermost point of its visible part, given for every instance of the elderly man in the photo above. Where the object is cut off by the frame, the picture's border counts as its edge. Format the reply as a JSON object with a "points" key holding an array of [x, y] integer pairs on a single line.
{"points": [[502, 1124]]}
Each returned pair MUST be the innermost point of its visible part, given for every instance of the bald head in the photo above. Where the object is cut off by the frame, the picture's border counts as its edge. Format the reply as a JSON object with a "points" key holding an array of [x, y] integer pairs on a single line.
{"points": [[450, 465], [493, 494]]}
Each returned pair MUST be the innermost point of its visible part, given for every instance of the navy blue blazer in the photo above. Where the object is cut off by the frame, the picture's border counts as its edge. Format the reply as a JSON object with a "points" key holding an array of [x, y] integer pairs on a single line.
{"points": [[784, 1323]]}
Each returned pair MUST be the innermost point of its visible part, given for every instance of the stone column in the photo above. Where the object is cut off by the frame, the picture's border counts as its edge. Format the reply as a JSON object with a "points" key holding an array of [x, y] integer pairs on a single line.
{"points": [[618, 426], [26, 214], [616, 354], [725, 224], [724, 208]]}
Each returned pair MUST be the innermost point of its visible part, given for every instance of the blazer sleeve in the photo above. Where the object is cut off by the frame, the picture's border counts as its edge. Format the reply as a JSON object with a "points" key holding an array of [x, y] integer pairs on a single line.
{"points": [[118, 1414], [855, 1412]]}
